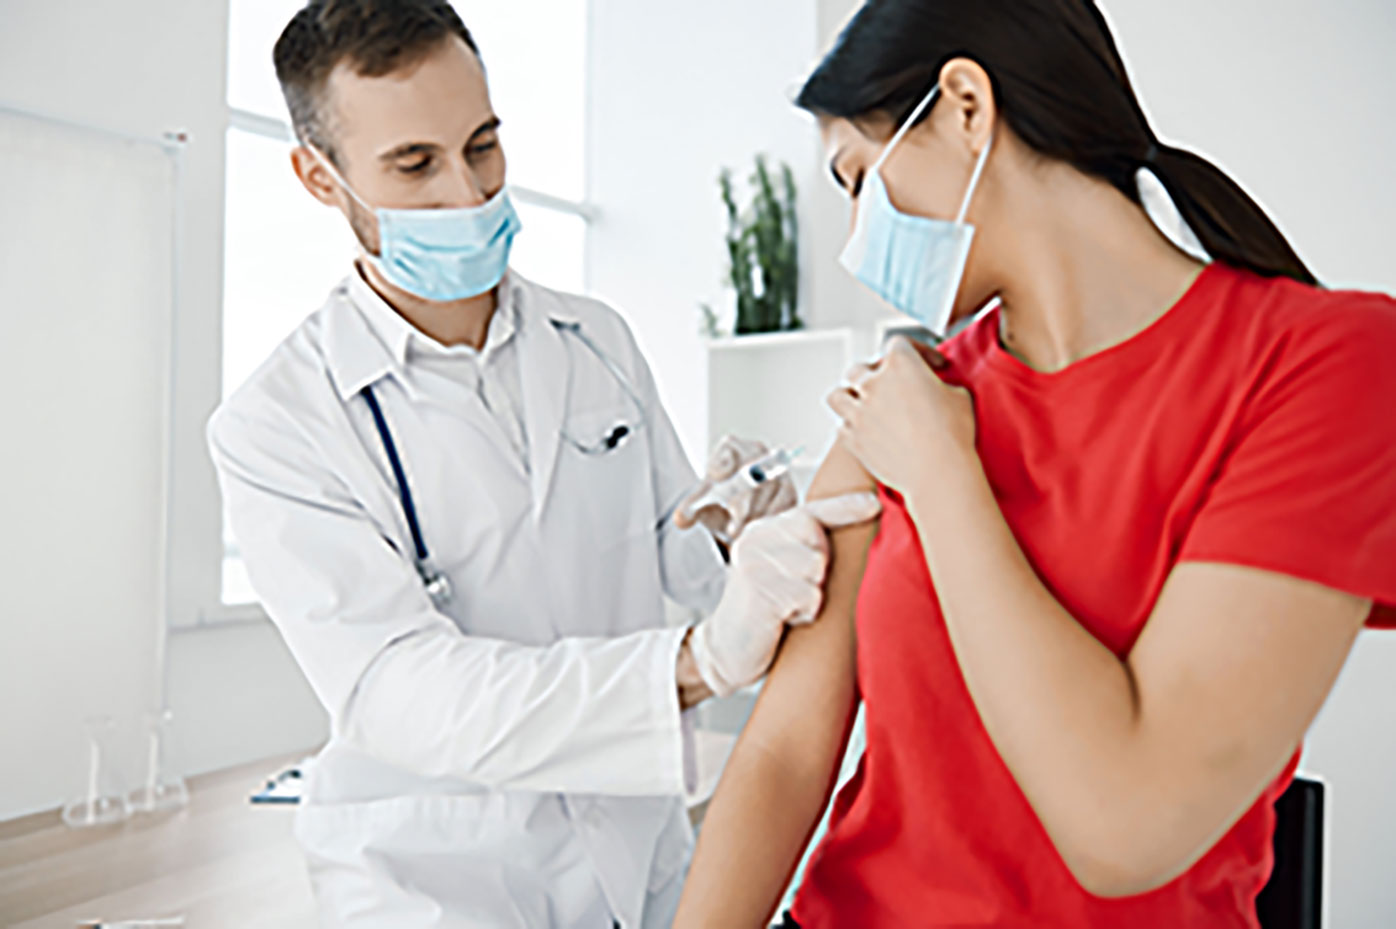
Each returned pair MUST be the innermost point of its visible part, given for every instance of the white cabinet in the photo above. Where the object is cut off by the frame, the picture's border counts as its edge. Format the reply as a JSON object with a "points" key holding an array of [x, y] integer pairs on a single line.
{"points": [[772, 387]]}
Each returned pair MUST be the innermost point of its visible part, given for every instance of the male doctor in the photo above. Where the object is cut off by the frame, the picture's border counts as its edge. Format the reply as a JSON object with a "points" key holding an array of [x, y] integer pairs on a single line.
{"points": [[455, 493]]}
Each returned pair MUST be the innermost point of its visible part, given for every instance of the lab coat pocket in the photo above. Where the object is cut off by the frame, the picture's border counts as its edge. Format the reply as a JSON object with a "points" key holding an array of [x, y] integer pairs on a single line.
{"points": [[610, 474]]}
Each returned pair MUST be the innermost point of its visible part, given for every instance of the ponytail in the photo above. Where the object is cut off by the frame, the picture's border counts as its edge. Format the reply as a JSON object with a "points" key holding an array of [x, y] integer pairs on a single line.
{"points": [[1230, 225]]}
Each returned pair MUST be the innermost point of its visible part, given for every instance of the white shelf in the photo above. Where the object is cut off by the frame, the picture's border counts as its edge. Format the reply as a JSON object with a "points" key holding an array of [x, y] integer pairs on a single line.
{"points": [[767, 340], [771, 387]]}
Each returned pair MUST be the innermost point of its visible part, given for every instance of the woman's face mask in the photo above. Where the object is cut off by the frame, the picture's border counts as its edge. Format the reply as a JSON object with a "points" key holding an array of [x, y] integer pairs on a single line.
{"points": [[913, 262]]}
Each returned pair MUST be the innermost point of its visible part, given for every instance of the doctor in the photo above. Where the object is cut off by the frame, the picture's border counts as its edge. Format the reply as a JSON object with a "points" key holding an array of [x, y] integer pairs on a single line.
{"points": [[454, 492]]}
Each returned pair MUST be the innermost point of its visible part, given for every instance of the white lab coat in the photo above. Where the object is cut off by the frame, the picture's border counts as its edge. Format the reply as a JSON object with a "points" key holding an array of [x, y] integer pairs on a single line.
{"points": [[518, 758]]}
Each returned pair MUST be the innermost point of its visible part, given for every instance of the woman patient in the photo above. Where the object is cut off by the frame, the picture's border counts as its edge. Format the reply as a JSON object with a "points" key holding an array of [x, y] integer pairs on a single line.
{"points": [[1134, 516]]}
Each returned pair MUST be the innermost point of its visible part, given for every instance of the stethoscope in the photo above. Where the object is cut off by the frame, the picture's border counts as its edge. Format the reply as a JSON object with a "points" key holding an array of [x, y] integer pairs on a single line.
{"points": [[437, 585]]}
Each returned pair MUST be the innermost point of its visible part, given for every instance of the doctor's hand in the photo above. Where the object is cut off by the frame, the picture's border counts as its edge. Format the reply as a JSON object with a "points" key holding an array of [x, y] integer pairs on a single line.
{"points": [[727, 523], [777, 577], [901, 420]]}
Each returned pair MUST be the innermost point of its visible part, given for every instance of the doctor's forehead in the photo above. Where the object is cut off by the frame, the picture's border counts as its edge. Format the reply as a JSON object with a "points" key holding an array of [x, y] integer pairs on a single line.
{"points": [[440, 99]]}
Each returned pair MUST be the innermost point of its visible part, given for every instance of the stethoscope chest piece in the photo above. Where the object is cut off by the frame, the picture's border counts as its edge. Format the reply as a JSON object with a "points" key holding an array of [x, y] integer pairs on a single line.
{"points": [[438, 586]]}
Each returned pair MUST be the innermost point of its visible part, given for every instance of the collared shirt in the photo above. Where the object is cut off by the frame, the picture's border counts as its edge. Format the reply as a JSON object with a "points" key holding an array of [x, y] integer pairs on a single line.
{"points": [[491, 372]]}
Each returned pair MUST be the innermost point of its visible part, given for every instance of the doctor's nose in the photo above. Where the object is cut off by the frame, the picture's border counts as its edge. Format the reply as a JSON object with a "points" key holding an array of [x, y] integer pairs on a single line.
{"points": [[465, 189]]}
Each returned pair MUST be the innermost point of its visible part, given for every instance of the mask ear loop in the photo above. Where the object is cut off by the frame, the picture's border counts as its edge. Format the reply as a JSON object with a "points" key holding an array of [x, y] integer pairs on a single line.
{"points": [[905, 128], [334, 173], [974, 182]]}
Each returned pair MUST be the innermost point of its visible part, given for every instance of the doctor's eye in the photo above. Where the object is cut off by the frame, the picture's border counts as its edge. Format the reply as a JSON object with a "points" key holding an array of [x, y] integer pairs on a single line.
{"points": [[416, 167], [484, 148]]}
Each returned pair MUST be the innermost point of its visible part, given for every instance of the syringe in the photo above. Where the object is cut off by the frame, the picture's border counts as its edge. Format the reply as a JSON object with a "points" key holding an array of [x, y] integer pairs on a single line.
{"points": [[768, 467]]}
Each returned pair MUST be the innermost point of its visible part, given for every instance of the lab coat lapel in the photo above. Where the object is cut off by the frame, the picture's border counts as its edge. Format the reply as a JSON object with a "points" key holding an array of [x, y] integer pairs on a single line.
{"points": [[546, 373]]}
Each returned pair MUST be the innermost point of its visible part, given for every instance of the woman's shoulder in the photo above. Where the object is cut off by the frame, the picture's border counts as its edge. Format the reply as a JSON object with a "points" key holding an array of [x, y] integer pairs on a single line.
{"points": [[1290, 325], [1313, 369], [1245, 323]]}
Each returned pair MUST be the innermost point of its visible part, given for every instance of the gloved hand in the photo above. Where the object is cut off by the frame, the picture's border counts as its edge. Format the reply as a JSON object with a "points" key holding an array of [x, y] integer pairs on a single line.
{"points": [[776, 577], [727, 523]]}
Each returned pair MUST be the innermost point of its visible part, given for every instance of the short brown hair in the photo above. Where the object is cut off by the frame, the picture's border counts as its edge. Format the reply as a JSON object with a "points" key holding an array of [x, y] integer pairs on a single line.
{"points": [[376, 37]]}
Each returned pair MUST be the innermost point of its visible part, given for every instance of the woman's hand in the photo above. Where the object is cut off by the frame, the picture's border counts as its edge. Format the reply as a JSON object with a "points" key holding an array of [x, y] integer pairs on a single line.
{"points": [[900, 419]]}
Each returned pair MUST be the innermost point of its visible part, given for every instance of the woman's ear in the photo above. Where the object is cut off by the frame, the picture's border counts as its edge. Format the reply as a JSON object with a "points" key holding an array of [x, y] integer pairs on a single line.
{"points": [[969, 93]]}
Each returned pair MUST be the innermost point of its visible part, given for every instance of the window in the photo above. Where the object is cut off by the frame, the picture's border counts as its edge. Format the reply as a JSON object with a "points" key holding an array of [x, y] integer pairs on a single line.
{"points": [[283, 252]]}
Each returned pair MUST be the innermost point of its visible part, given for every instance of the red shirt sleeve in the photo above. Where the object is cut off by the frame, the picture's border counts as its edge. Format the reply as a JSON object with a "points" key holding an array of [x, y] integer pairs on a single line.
{"points": [[1307, 486]]}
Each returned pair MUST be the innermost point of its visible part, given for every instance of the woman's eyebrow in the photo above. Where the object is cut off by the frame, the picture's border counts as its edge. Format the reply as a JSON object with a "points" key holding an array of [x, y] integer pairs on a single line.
{"points": [[834, 168]]}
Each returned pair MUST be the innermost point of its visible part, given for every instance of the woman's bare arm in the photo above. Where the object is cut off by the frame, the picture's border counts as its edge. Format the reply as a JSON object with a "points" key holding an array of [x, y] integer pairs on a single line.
{"points": [[782, 770]]}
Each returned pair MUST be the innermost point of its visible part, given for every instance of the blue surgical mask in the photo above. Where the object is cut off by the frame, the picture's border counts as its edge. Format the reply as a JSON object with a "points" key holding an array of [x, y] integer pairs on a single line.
{"points": [[442, 254], [913, 262]]}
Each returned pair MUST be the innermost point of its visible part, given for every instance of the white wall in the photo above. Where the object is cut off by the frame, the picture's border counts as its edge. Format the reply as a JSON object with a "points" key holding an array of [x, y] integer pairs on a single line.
{"points": [[1291, 97], [143, 67], [107, 324], [679, 90]]}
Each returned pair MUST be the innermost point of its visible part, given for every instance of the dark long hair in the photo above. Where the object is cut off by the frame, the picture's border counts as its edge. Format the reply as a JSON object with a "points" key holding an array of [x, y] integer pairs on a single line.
{"points": [[1061, 85]]}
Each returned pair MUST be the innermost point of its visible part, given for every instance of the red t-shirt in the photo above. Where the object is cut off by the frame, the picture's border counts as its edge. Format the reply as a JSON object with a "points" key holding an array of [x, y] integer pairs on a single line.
{"points": [[1253, 424]]}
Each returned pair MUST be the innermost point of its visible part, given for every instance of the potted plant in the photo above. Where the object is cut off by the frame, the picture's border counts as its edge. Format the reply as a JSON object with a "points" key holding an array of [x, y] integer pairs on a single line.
{"points": [[762, 252]]}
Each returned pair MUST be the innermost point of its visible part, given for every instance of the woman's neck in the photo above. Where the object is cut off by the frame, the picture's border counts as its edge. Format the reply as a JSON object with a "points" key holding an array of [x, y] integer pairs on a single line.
{"points": [[1088, 271]]}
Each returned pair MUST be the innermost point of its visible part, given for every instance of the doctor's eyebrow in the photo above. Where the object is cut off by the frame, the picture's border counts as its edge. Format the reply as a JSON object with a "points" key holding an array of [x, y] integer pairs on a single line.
{"points": [[490, 125], [409, 149]]}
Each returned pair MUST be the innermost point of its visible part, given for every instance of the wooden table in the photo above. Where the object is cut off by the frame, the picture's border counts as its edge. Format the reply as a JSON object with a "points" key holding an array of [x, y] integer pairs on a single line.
{"points": [[222, 863]]}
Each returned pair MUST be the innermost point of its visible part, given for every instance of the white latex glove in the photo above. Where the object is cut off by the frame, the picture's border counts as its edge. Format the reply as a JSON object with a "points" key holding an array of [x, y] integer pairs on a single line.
{"points": [[777, 577], [768, 499]]}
